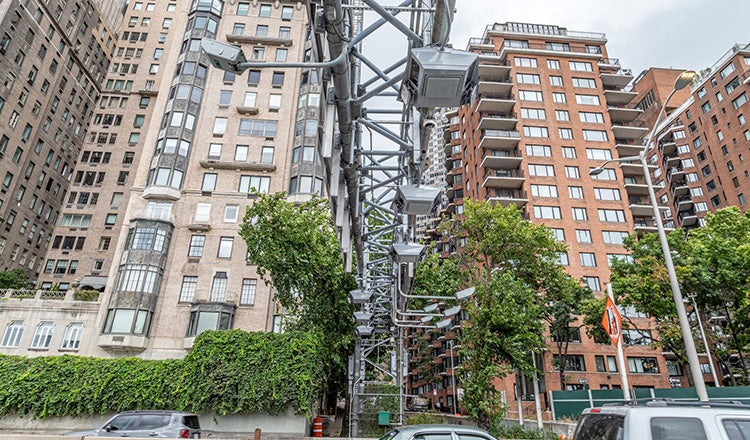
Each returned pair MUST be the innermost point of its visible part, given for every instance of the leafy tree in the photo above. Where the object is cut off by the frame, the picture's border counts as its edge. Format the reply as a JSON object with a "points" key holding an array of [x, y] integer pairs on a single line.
{"points": [[643, 284], [505, 328], [14, 279], [718, 274], [511, 262], [566, 300], [296, 250], [712, 263]]}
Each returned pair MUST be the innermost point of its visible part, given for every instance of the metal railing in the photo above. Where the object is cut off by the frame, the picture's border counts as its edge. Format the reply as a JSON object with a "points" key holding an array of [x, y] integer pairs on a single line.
{"points": [[502, 133]]}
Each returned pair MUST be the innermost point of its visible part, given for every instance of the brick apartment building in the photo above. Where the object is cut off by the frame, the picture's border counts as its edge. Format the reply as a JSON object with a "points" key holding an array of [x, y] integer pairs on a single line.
{"points": [[702, 151], [552, 105]]}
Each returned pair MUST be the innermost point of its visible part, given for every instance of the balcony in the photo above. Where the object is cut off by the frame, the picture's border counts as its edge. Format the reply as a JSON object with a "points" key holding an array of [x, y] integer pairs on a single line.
{"points": [[687, 218], [499, 89], [504, 179], [502, 159], [623, 114], [624, 149], [641, 207], [670, 161], [667, 148], [684, 203], [497, 121], [675, 173], [636, 188], [235, 165], [679, 188], [480, 43], [635, 168], [499, 139], [496, 103], [647, 226], [161, 192], [506, 197], [618, 80], [494, 72], [263, 41], [628, 131], [610, 64], [618, 97]]}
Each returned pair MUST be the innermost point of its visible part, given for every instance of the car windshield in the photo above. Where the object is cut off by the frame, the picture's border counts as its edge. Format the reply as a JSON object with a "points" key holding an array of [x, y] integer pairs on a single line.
{"points": [[389, 435], [600, 427]]}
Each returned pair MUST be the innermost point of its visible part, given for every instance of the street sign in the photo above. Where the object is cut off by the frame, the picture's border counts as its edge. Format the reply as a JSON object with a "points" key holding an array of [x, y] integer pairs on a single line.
{"points": [[612, 321]]}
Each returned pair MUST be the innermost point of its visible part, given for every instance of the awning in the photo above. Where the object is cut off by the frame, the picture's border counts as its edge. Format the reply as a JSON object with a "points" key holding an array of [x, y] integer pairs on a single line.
{"points": [[93, 282]]}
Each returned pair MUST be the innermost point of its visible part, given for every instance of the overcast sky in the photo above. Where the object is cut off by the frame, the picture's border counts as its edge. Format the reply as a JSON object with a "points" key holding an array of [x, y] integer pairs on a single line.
{"points": [[689, 34]]}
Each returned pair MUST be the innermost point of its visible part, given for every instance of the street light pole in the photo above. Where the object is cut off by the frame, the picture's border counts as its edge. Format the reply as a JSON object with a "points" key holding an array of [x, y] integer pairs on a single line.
{"points": [[682, 81]]}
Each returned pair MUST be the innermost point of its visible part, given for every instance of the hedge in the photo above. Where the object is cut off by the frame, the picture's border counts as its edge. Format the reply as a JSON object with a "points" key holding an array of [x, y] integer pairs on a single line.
{"points": [[226, 372]]}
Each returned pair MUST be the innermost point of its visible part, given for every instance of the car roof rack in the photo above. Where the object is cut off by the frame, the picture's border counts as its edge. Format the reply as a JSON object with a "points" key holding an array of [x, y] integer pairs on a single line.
{"points": [[735, 404]]}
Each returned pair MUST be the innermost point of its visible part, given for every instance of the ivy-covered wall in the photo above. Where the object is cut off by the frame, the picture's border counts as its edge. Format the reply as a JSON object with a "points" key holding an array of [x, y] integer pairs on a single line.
{"points": [[226, 372]]}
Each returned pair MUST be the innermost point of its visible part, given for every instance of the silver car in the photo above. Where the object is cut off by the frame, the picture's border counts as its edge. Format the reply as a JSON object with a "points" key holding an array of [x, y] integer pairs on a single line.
{"points": [[437, 432], [154, 424]]}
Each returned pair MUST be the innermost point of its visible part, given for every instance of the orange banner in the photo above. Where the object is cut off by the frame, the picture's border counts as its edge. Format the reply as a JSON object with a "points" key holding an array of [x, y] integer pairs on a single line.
{"points": [[612, 321]]}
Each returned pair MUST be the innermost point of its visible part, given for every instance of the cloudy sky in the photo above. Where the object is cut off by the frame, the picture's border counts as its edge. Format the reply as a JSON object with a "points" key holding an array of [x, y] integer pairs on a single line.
{"points": [[689, 34]]}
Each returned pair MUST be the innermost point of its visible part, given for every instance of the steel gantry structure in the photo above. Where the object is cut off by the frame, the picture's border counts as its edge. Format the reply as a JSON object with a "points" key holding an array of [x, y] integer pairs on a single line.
{"points": [[376, 119]]}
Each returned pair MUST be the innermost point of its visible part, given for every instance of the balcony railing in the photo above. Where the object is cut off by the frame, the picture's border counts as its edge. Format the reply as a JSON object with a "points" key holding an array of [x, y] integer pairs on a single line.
{"points": [[502, 133], [615, 62]]}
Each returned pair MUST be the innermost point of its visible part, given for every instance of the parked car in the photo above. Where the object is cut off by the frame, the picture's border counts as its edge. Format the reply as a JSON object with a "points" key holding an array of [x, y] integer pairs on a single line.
{"points": [[153, 424], [665, 420], [436, 432]]}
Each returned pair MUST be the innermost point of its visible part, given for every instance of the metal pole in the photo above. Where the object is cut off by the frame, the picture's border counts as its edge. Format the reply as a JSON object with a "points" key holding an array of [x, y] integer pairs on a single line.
{"points": [[519, 393], [537, 403], [620, 356], [687, 334], [453, 379], [705, 343]]}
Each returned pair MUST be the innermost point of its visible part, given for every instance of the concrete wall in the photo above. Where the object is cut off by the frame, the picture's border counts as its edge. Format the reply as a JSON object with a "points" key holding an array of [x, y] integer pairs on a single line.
{"points": [[212, 426]]}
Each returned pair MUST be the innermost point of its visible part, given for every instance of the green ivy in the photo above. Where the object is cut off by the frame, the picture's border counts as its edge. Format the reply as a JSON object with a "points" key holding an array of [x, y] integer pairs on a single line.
{"points": [[226, 372]]}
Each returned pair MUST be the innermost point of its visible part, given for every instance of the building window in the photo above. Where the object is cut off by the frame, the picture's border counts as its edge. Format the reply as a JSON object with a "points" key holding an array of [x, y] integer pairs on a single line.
{"points": [[532, 131], [225, 247], [562, 115], [260, 184], [580, 214], [588, 259], [642, 365], [73, 336], [593, 283], [13, 334], [541, 170], [219, 287], [539, 150], [612, 215], [572, 172], [196, 246], [556, 80], [544, 191], [581, 66], [247, 296], [189, 285], [583, 236], [209, 182], [231, 212], [553, 64], [575, 192], [265, 11], [525, 62], [559, 98], [547, 212], [573, 362], [43, 335]]}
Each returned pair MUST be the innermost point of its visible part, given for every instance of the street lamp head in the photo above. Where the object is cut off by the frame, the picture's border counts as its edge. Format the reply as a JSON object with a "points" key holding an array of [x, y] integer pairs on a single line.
{"points": [[596, 171], [685, 79]]}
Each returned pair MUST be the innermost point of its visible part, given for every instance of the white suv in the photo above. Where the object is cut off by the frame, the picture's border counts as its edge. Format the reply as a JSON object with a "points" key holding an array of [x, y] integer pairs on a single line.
{"points": [[666, 420]]}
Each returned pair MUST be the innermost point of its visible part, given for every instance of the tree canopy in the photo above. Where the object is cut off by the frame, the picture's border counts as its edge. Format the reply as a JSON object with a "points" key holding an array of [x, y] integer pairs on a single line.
{"points": [[295, 249]]}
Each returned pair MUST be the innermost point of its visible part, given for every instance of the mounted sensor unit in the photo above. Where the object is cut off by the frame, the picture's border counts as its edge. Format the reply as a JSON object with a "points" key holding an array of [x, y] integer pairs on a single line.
{"points": [[439, 77], [359, 296], [416, 199], [406, 252], [223, 56]]}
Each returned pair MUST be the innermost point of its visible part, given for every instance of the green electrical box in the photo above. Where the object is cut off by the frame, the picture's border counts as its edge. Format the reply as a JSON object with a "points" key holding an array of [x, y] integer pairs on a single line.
{"points": [[384, 418]]}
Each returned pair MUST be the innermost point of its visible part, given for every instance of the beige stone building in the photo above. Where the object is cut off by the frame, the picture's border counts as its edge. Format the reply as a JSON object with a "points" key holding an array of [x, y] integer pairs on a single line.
{"points": [[173, 152]]}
